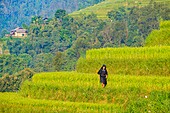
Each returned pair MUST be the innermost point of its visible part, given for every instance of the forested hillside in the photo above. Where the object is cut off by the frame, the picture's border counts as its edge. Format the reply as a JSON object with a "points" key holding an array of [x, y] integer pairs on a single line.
{"points": [[14, 13]]}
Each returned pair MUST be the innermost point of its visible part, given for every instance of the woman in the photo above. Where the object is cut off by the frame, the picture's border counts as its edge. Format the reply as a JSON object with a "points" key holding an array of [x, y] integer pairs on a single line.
{"points": [[103, 75]]}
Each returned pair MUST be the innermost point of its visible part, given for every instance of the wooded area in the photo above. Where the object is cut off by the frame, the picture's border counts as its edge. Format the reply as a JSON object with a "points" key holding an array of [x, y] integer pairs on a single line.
{"points": [[15, 13]]}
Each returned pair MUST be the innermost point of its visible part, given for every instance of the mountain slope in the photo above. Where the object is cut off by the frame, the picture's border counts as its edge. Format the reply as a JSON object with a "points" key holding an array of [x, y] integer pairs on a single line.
{"points": [[101, 9], [14, 13]]}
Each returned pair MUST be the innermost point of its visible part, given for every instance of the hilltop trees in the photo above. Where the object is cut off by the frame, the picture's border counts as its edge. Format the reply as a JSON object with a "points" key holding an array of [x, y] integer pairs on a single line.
{"points": [[60, 14]]}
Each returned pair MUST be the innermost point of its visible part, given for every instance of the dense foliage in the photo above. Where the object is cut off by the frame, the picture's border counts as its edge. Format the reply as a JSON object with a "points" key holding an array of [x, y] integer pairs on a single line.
{"points": [[10, 64], [14, 13], [9, 83], [159, 37]]}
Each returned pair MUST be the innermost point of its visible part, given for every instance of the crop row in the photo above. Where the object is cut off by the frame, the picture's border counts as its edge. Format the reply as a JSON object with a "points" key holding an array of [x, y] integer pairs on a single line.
{"points": [[129, 53], [129, 61], [154, 66], [14, 103], [124, 91]]}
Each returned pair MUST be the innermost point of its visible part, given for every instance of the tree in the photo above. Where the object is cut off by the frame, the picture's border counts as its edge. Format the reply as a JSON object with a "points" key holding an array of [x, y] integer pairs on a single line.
{"points": [[58, 61], [13, 82], [118, 15], [59, 14]]}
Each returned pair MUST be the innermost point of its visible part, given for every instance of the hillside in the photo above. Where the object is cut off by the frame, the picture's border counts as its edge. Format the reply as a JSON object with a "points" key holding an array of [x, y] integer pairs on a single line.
{"points": [[81, 92], [14, 13], [101, 9], [61, 58]]}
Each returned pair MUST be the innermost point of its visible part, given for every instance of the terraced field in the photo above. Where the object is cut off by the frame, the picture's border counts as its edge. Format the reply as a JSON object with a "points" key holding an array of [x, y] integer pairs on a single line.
{"points": [[138, 82], [104, 7], [128, 61], [82, 93]]}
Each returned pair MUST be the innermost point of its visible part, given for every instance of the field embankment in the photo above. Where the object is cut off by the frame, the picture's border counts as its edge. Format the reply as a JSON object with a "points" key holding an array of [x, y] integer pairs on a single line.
{"points": [[129, 61]]}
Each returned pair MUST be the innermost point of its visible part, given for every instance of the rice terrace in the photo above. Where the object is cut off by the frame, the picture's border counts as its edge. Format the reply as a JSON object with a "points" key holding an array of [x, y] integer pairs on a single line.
{"points": [[80, 91], [138, 77]]}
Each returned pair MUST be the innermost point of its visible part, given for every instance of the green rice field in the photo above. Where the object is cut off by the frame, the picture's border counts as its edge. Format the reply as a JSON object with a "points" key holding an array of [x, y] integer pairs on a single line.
{"points": [[128, 61], [82, 93]]}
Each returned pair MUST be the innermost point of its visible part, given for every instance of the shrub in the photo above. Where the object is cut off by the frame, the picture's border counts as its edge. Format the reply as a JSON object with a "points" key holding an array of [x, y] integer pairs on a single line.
{"points": [[10, 83]]}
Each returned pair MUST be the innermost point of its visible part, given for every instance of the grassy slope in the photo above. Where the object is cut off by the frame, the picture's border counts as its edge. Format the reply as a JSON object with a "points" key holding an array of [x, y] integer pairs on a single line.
{"points": [[78, 92], [128, 60], [104, 7], [14, 103]]}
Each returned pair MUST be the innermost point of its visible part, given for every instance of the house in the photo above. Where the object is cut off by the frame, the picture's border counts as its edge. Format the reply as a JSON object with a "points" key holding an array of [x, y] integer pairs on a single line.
{"points": [[18, 32]]}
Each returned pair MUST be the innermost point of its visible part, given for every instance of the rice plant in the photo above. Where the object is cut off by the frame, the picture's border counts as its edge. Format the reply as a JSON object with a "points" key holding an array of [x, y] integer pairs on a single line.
{"points": [[128, 60], [82, 92]]}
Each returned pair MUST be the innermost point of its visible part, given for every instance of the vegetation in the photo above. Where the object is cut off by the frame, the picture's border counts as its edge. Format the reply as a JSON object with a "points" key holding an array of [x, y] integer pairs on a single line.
{"points": [[12, 102], [55, 44], [122, 94], [61, 40], [11, 64], [101, 9], [132, 61], [17, 13], [11, 83], [159, 37]]}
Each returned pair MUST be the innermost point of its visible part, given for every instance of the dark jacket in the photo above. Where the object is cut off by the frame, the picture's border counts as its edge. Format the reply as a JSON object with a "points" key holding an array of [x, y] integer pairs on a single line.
{"points": [[102, 72]]}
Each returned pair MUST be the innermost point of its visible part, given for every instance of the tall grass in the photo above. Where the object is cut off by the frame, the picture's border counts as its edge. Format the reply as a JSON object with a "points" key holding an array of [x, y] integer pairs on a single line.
{"points": [[14, 103], [81, 93], [127, 92], [129, 53], [132, 61]]}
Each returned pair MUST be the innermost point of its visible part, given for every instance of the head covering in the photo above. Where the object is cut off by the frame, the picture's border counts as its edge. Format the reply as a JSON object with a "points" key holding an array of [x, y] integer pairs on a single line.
{"points": [[103, 66]]}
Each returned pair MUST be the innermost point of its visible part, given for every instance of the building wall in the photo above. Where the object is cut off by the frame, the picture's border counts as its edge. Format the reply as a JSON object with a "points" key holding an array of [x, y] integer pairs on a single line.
{"points": [[20, 34]]}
